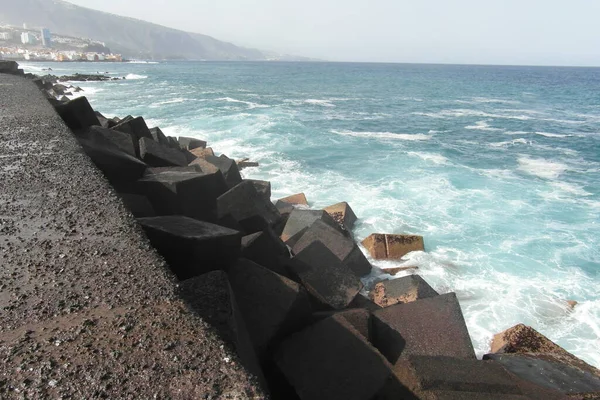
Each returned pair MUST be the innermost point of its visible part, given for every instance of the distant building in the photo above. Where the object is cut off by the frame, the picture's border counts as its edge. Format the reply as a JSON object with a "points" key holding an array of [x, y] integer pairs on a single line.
{"points": [[5, 35], [27, 38], [24, 25], [46, 37]]}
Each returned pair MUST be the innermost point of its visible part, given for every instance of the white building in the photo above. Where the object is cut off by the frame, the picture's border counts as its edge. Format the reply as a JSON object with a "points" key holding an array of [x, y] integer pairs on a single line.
{"points": [[5, 35], [27, 38]]}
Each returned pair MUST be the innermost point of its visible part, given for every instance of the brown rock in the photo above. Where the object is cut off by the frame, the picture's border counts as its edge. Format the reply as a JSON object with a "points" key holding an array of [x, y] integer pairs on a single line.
{"points": [[392, 247], [403, 290], [202, 153], [343, 214], [296, 199], [522, 339]]}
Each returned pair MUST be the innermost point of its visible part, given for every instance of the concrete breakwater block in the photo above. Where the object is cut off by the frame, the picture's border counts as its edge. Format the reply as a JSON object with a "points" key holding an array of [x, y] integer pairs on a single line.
{"points": [[303, 219], [272, 306], [342, 246], [192, 247], [287, 204], [266, 248], [332, 284], [192, 194], [136, 127], [402, 290], [139, 205], [228, 167], [117, 166], [437, 377], [331, 360], [189, 143], [550, 372], [343, 214], [433, 327], [122, 140], [211, 297], [250, 209], [78, 114], [262, 187], [392, 247], [202, 153], [9, 67], [359, 318], [159, 136], [157, 155]]}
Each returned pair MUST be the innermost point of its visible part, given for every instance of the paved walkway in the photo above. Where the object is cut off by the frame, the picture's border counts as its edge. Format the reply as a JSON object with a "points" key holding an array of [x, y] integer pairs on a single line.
{"points": [[87, 308]]}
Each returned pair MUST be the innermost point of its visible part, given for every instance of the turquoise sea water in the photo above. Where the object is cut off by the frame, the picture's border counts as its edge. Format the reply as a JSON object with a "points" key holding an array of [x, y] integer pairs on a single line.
{"points": [[497, 167]]}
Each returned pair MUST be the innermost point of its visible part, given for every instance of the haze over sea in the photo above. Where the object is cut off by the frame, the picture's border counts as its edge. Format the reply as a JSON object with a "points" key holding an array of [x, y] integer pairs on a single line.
{"points": [[497, 167]]}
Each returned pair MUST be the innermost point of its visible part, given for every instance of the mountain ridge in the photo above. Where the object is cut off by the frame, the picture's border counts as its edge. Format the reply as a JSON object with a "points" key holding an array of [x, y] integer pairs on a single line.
{"points": [[131, 37]]}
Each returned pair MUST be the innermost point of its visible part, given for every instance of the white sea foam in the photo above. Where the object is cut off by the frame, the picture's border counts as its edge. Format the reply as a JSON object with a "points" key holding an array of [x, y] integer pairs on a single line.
{"points": [[459, 113], [541, 167], [141, 62], [250, 104], [165, 102], [322, 103], [384, 135], [135, 77], [434, 158], [552, 135], [483, 126], [485, 100], [511, 143]]}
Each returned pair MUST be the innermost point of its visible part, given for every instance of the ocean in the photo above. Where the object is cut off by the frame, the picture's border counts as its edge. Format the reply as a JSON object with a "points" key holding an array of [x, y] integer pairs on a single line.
{"points": [[497, 167]]}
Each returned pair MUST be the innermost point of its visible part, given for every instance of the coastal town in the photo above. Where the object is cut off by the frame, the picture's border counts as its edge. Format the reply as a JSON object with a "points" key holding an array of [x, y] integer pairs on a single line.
{"points": [[40, 44]]}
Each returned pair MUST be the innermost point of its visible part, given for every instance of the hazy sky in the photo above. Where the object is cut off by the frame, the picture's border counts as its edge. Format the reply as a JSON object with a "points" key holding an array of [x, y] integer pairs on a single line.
{"points": [[555, 32]]}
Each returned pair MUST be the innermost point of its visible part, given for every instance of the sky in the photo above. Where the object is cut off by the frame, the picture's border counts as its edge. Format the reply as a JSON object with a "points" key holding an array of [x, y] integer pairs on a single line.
{"points": [[518, 32]]}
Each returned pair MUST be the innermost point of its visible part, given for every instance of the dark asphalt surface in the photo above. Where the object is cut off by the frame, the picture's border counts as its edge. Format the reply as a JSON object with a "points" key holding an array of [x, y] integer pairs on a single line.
{"points": [[87, 307]]}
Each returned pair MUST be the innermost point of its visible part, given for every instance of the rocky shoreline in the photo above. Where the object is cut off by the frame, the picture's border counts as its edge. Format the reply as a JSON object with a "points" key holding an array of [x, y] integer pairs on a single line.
{"points": [[282, 282]]}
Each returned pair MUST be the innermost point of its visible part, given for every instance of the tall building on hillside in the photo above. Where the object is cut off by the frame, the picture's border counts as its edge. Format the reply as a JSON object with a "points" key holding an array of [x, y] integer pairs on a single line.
{"points": [[46, 37], [27, 38]]}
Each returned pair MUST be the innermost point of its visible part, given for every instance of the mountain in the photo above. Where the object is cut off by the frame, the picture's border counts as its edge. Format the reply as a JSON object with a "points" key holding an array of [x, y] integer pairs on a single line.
{"points": [[131, 37]]}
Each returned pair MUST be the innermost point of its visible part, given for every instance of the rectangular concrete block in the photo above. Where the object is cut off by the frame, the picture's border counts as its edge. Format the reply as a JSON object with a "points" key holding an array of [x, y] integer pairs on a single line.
{"points": [[402, 290], [262, 187], [272, 305], [303, 219], [136, 127], [331, 360], [122, 140], [266, 248], [78, 114], [157, 155], [330, 282], [189, 143], [192, 194], [228, 167], [159, 137], [342, 246], [432, 327], [247, 206], [118, 166], [343, 214], [192, 247], [392, 247]]}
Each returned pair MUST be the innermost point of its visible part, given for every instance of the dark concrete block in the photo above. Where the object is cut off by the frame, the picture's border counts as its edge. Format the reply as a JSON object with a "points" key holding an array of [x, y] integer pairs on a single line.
{"points": [[211, 297], [429, 327], [362, 301], [139, 205], [402, 290], [202, 153], [188, 143], [302, 219], [272, 306], [549, 371], [122, 140], [343, 214], [329, 281], [173, 142], [245, 204], [342, 246], [267, 249], [262, 187], [136, 127], [159, 136], [228, 167], [9, 67], [160, 170], [102, 119], [157, 155], [116, 165], [446, 378], [78, 114], [359, 318], [191, 194], [332, 361], [192, 247], [189, 157]]}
